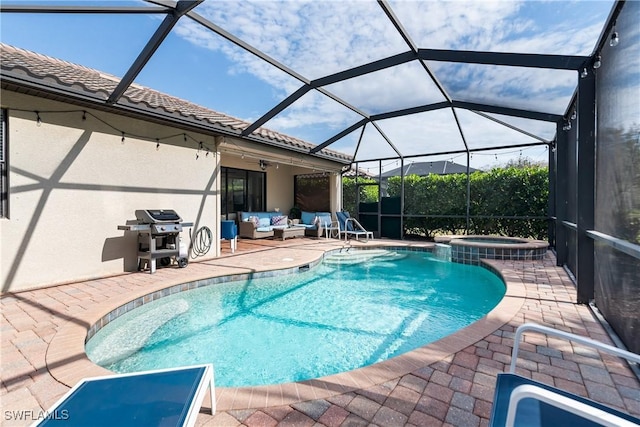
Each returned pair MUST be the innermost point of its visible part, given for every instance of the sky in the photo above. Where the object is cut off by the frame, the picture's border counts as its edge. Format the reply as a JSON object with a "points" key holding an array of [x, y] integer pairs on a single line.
{"points": [[317, 38]]}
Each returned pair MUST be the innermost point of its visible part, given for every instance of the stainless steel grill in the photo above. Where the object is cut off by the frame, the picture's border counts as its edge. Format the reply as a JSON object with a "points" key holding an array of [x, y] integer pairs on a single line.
{"points": [[158, 238]]}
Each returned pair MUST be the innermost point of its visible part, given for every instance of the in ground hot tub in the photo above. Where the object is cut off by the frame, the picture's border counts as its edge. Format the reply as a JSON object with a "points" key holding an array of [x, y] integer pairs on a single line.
{"points": [[470, 249]]}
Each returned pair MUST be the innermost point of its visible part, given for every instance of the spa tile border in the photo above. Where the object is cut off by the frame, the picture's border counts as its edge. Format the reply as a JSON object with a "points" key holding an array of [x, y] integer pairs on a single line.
{"points": [[473, 255], [466, 251]]}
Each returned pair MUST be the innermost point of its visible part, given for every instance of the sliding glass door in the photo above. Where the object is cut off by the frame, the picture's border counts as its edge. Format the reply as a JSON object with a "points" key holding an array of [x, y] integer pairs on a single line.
{"points": [[241, 190]]}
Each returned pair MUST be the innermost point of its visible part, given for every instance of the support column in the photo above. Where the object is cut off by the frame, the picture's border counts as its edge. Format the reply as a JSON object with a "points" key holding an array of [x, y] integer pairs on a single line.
{"points": [[586, 185], [402, 197], [468, 209], [218, 140], [335, 184], [561, 178], [551, 206]]}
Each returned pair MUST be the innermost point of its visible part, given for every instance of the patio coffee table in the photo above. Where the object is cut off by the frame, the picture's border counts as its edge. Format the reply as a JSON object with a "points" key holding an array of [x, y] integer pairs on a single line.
{"points": [[283, 233]]}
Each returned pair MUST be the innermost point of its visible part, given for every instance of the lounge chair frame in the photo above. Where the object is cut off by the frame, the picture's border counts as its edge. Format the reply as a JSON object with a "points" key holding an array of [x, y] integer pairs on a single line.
{"points": [[201, 381], [358, 229], [529, 389]]}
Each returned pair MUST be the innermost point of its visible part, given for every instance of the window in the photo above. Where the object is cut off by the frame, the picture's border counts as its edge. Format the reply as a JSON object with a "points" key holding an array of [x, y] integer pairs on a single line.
{"points": [[4, 169], [312, 192], [241, 190]]}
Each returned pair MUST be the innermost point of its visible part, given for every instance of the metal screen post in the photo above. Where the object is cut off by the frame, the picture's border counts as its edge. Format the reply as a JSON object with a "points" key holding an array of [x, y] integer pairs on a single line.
{"points": [[561, 194], [468, 192], [586, 186], [551, 206], [380, 197], [402, 197]]}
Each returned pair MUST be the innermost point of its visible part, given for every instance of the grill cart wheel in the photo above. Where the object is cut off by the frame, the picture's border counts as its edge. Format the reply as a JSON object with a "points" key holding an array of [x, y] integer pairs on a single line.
{"points": [[182, 262], [165, 261]]}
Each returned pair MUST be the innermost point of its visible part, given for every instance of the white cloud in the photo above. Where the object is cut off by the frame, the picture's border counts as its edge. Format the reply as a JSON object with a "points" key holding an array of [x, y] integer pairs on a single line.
{"points": [[318, 38], [315, 38], [470, 25]]}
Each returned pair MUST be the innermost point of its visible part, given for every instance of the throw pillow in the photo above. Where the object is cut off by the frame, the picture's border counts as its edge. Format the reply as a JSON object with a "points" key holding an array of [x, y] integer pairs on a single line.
{"points": [[255, 220], [265, 222], [279, 220]]}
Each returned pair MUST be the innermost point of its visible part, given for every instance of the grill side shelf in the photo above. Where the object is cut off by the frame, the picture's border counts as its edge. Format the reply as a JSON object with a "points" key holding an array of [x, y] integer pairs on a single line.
{"points": [[135, 227]]}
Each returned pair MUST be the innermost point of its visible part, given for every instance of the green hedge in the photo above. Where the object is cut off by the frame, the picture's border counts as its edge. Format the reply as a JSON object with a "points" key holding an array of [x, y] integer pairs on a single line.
{"points": [[512, 191], [367, 193]]}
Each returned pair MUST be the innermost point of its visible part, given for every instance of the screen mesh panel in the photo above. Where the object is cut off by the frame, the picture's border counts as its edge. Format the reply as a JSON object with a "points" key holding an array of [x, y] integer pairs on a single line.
{"points": [[617, 211]]}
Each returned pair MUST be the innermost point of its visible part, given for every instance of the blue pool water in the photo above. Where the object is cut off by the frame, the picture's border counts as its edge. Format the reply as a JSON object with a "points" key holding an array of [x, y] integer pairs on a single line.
{"points": [[348, 312]]}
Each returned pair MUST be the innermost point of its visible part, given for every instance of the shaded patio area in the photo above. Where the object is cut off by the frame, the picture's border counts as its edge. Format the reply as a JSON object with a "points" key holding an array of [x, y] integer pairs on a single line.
{"points": [[445, 383]]}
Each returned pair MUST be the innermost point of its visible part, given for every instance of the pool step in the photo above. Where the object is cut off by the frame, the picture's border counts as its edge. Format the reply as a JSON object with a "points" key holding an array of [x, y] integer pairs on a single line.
{"points": [[351, 257], [131, 337]]}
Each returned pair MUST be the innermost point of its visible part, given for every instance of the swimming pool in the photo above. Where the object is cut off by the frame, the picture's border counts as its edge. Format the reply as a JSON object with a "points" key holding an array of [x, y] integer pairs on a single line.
{"points": [[336, 317]]}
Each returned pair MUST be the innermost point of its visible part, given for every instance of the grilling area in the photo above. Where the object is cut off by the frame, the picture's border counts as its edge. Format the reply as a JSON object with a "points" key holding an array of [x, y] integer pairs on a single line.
{"points": [[159, 238]]}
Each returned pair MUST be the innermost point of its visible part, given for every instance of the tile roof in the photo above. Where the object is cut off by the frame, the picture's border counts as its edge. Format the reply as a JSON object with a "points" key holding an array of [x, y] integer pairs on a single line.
{"points": [[440, 167], [73, 79]]}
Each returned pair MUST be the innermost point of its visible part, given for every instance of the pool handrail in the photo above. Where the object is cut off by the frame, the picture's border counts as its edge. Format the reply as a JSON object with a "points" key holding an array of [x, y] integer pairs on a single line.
{"points": [[568, 336], [348, 225]]}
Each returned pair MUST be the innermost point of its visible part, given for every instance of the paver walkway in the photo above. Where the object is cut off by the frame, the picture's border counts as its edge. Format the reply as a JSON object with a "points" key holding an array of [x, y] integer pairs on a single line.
{"points": [[456, 389]]}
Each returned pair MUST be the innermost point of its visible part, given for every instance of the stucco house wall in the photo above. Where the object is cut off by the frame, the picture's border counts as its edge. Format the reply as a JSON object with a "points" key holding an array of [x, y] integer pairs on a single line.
{"points": [[80, 165], [73, 181]]}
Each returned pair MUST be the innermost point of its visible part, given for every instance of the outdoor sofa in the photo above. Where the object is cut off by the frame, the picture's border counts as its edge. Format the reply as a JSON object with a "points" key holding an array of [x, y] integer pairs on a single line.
{"points": [[259, 225], [315, 223]]}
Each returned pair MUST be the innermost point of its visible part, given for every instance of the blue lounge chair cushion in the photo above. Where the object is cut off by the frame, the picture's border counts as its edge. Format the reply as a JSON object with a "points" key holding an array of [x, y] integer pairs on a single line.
{"points": [[532, 412], [148, 399], [342, 221]]}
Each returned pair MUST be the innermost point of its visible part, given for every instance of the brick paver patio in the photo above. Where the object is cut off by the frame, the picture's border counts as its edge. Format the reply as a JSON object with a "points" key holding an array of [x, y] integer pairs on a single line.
{"points": [[42, 352]]}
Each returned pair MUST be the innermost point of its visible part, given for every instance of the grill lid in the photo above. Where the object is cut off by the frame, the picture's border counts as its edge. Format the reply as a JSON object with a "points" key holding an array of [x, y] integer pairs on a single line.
{"points": [[152, 216]]}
